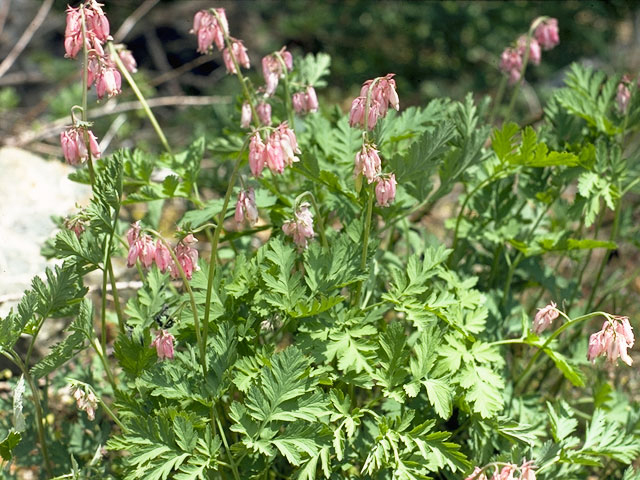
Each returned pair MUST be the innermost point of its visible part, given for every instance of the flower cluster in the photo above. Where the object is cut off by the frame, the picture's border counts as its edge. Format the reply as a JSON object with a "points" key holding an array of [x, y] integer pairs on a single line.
{"points": [[163, 344], [545, 317], [613, 340], [74, 147], [142, 248], [386, 190], [246, 207], [507, 472], [272, 68], [545, 37], [279, 151], [377, 94], [305, 102], [211, 26], [301, 227], [101, 69], [373, 103], [87, 401]]}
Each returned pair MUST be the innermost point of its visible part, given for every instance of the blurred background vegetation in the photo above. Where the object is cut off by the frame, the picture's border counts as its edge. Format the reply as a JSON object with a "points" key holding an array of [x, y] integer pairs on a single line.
{"points": [[435, 48]]}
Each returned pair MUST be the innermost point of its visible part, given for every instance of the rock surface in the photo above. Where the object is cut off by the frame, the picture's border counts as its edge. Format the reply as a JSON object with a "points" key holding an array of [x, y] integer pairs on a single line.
{"points": [[32, 189]]}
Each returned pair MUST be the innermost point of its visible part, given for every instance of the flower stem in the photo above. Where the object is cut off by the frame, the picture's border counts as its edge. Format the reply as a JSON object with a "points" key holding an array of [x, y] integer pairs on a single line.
{"points": [[214, 243], [102, 355], [365, 240], [234, 468], [141, 99], [11, 355], [570, 323], [192, 300]]}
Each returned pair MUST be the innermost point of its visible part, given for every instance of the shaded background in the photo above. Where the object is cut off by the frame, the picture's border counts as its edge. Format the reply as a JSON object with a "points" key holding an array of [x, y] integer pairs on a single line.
{"points": [[435, 48]]}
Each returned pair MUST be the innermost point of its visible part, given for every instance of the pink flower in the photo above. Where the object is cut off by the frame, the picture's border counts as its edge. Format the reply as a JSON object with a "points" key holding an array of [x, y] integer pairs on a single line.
{"points": [[535, 54], [264, 113], [386, 190], [74, 148], [301, 227], [312, 99], [240, 53], [245, 118], [141, 247], [272, 68], [162, 256], [97, 22], [623, 96], [367, 162], [547, 34], [526, 471], [613, 340], [257, 160], [128, 61], [108, 81], [545, 317], [511, 64], [288, 143], [381, 93], [86, 401], [477, 474], [246, 207], [273, 154], [187, 256], [209, 29], [73, 32], [163, 344], [507, 472], [305, 102]]}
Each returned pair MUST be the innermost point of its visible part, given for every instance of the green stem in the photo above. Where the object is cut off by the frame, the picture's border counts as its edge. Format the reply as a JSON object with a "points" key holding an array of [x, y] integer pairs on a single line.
{"points": [[365, 240], [192, 300], [111, 414], [103, 303], [11, 355], [116, 297], [498, 99], [216, 239], [102, 355], [234, 468], [141, 99], [605, 259], [481, 185], [562, 328], [287, 93]]}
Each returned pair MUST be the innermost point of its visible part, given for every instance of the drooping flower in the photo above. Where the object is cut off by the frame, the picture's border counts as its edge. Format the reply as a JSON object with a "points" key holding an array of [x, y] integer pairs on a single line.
{"points": [[86, 401], [272, 68], [187, 256], [141, 247], [73, 32], [163, 344], [245, 118], [239, 52], [545, 317], [162, 256], [377, 94], [305, 102], [128, 60], [527, 471], [535, 54], [506, 473], [209, 30], [547, 34], [301, 227], [246, 207], [623, 96], [108, 80], [613, 340], [386, 190], [511, 64], [257, 159], [74, 147], [264, 113], [367, 162]]}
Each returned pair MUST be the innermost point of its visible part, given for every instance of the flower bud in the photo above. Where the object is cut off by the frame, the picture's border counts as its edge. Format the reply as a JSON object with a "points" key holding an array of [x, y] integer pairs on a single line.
{"points": [[128, 60], [245, 118], [264, 113], [367, 162], [163, 344], [257, 159], [547, 34], [246, 207], [545, 317]]}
